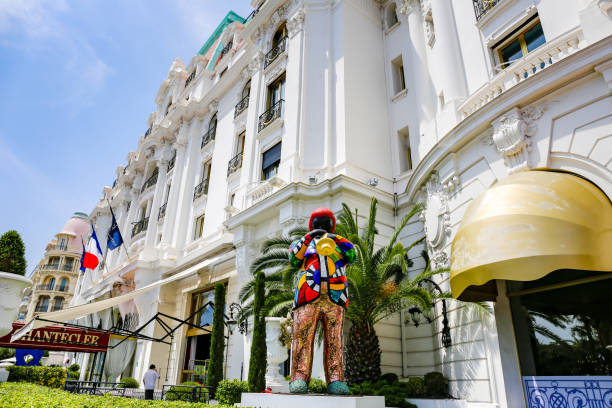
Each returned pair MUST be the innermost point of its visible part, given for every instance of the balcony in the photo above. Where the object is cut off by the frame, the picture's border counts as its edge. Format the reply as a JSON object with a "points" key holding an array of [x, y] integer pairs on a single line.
{"points": [[190, 78], [522, 69], [58, 247], [277, 50], [234, 164], [227, 48], [150, 181], [270, 115], [62, 288], [482, 7], [162, 211], [200, 190], [172, 162], [208, 137], [44, 286], [67, 267], [53, 267], [241, 106], [140, 226]]}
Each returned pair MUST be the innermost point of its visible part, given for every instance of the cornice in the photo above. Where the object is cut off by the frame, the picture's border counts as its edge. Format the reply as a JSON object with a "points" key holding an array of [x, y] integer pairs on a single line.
{"points": [[556, 76]]}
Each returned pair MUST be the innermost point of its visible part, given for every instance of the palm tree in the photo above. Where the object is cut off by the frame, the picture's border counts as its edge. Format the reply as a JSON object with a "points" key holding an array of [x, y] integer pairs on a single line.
{"points": [[378, 287]]}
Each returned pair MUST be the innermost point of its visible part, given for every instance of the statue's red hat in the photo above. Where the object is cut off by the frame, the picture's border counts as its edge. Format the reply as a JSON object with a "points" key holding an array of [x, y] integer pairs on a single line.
{"points": [[322, 212]]}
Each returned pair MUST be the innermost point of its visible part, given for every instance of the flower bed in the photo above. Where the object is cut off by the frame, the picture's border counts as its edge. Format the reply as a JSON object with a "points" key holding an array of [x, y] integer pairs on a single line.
{"points": [[18, 395]]}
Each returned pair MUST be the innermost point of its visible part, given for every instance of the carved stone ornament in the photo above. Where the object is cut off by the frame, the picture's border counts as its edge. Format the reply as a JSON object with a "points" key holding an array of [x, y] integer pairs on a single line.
{"points": [[436, 218], [428, 25], [256, 62], [409, 6], [213, 106], [511, 135], [296, 23], [604, 5]]}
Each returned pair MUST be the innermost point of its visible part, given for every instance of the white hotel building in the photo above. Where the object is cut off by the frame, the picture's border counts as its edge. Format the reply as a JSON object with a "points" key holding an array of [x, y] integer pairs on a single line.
{"points": [[483, 110]]}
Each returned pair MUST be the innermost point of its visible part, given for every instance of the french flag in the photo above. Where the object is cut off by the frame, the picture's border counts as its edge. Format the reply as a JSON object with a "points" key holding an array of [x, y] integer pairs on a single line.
{"points": [[93, 252]]}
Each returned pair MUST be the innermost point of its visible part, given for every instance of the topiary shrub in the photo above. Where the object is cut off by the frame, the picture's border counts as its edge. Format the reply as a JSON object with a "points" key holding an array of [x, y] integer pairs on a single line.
{"points": [[317, 386], [129, 382], [257, 363], [415, 387], [12, 253], [53, 377], [217, 342], [436, 385], [389, 378], [74, 367], [230, 392], [73, 375]]}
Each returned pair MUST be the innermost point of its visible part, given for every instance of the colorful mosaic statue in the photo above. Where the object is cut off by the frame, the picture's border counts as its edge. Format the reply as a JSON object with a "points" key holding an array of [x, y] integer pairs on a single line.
{"points": [[321, 294]]}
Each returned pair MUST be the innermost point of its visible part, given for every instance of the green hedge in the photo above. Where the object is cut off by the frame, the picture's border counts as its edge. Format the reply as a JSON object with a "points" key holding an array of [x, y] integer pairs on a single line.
{"points": [[229, 392], [20, 395], [180, 392], [129, 382], [53, 377]]}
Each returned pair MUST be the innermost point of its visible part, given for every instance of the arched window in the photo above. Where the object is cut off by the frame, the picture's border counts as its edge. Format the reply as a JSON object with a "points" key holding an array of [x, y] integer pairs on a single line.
{"points": [[42, 305], [58, 303], [246, 90], [279, 35], [391, 15], [50, 283], [63, 285], [212, 126]]}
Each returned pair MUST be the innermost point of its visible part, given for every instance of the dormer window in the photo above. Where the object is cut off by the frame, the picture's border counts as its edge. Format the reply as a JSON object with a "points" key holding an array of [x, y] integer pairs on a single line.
{"points": [[519, 43]]}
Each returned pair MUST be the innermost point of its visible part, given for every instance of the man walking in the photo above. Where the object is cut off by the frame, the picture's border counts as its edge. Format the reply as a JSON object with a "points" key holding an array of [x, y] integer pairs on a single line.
{"points": [[149, 380]]}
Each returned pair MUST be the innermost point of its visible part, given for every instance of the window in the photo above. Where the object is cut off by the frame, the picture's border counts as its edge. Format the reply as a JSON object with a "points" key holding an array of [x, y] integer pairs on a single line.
{"points": [[212, 125], [232, 200], [270, 162], [405, 157], [399, 84], [246, 90], [50, 283], [63, 244], [276, 91], [68, 264], [58, 304], [391, 15], [168, 192], [43, 304], [206, 172], [240, 144], [279, 35], [199, 227], [63, 285], [522, 41]]}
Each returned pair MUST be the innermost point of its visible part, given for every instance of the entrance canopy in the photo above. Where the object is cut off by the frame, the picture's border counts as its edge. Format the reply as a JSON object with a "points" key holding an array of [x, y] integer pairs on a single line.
{"points": [[76, 312], [527, 226]]}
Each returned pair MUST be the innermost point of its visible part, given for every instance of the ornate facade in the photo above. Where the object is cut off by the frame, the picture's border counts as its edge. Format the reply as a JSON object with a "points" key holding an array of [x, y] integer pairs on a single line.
{"points": [[308, 103]]}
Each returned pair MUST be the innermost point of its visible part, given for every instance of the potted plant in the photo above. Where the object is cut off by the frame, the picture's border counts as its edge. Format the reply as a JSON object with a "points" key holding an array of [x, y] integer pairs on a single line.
{"points": [[12, 281]]}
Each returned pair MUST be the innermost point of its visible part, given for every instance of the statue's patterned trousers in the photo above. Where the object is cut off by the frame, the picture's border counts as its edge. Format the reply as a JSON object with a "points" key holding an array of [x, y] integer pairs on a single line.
{"points": [[305, 319]]}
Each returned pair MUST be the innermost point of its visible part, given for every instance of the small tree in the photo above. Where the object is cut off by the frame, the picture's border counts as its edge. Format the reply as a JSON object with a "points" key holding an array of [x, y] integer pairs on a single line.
{"points": [[258, 360], [217, 342], [12, 253]]}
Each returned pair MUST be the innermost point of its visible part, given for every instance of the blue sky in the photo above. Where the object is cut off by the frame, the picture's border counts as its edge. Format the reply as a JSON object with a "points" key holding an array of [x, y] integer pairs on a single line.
{"points": [[78, 80]]}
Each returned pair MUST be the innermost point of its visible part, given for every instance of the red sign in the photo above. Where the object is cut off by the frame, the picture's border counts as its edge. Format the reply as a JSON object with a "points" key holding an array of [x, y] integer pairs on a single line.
{"points": [[58, 338]]}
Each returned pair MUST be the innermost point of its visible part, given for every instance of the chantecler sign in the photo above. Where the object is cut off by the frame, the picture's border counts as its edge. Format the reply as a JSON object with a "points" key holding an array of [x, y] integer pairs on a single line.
{"points": [[58, 338]]}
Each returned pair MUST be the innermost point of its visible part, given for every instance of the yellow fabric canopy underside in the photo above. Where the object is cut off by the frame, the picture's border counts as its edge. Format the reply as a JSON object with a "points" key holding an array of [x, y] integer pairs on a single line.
{"points": [[527, 226]]}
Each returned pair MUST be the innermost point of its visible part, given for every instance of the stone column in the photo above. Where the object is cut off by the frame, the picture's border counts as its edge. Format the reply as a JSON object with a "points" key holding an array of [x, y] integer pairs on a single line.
{"points": [[162, 157], [250, 142]]}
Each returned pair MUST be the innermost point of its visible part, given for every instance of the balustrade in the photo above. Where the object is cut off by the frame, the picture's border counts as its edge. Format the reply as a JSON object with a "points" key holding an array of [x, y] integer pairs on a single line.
{"points": [[140, 226], [200, 190], [208, 137], [241, 106], [234, 164], [270, 115], [277, 50]]}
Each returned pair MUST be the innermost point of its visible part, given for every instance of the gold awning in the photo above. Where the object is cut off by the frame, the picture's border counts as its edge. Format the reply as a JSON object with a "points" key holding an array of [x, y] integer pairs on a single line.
{"points": [[527, 226]]}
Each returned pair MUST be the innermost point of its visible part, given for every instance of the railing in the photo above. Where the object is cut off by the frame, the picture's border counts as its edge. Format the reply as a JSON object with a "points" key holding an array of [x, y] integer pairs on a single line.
{"points": [[241, 106], [60, 247], [562, 391], [482, 7], [270, 115], [190, 78], [208, 136], [45, 286], [150, 181], [94, 388], [140, 226], [53, 267], [41, 309], [62, 289], [148, 132], [200, 189], [227, 48], [234, 164], [277, 50], [189, 393], [522, 69], [67, 267], [162, 211], [172, 162]]}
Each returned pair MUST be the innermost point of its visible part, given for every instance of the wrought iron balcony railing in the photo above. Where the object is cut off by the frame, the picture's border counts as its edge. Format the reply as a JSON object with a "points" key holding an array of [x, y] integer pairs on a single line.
{"points": [[162, 212], [53, 267], [172, 162], [150, 181], [482, 7], [241, 106], [148, 132], [58, 247], [190, 78], [270, 115], [200, 189], [277, 50], [44, 286], [62, 288], [208, 136], [234, 164], [67, 267], [227, 48], [140, 226]]}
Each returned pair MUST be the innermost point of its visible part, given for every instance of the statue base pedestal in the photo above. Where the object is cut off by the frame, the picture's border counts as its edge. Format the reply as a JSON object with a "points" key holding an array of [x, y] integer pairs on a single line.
{"points": [[309, 401]]}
